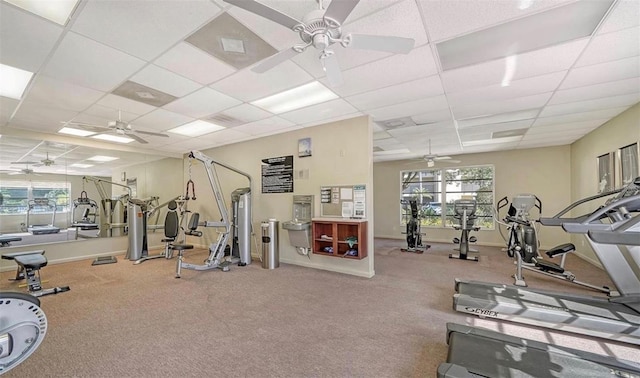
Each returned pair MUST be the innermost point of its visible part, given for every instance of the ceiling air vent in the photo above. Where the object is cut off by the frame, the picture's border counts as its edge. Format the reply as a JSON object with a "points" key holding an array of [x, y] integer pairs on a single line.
{"points": [[222, 119]]}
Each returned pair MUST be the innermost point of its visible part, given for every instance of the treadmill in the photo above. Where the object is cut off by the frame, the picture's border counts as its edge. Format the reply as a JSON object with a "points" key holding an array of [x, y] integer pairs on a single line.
{"points": [[615, 318], [42, 229]]}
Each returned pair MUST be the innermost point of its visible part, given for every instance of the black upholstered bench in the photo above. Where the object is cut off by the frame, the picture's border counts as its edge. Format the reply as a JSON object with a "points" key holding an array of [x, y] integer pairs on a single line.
{"points": [[29, 265]]}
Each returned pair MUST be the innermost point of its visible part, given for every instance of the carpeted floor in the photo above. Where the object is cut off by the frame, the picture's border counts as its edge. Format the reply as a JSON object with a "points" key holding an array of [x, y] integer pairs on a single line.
{"points": [[124, 320]]}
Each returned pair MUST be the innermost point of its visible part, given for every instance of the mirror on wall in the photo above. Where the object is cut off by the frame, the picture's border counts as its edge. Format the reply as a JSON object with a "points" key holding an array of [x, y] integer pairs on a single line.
{"points": [[55, 192]]}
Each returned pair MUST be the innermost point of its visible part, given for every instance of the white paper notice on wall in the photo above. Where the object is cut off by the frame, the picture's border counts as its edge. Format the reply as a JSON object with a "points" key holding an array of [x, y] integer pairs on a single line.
{"points": [[347, 209]]}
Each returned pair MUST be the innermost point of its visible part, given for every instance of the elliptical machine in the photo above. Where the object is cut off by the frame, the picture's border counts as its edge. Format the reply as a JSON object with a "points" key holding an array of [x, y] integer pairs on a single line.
{"points": [[523, 244], [414, 235], [465, 214]]}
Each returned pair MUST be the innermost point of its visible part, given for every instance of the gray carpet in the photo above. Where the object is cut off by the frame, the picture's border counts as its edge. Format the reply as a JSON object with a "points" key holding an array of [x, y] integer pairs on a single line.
{"points": [[124, 320]]}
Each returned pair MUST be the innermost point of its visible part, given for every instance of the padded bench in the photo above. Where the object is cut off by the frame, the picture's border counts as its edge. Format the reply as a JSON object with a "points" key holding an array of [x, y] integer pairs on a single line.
{"points": [[5, 241], [29, 265]]}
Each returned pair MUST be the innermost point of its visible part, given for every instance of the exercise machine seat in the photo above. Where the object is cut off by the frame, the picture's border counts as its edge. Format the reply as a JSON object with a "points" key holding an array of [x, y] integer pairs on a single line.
{"points": [[171, 223], [29, 264], [549, 266], [561, 249], [5, 241]]}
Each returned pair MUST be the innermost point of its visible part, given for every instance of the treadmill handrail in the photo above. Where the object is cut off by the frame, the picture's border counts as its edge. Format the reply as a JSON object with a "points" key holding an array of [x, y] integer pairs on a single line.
{"points": [[586, 225], [557, 219]]}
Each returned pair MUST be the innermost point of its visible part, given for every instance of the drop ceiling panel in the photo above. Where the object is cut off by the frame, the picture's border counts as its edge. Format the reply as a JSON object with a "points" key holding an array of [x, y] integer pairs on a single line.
{"points": [[274, 34], [433, 116], [202, 103], [265, 126], [405, 134], [55, 93], [491, 147], [246, 113], [603, 72], [35, 116], [87, 63], [415, 107], [370, 77], [611, 46], [625, 14], [504, 106], [258, 85], [498, 118], [535, 63], [585, 106], [446, 19], [105, 113], [142, 28], [27, 40], [518, 88], [412, 90], [486, 131], [161, 120], [614, 88], [166, 81], [571, 126], [119, 103], [576, 117], [224, 136], [314, 113], [7, 107], [195, 64]]}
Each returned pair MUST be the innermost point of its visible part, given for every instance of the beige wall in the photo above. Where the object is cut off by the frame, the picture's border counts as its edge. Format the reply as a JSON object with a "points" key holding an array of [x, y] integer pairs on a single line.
{"points": [[544, 172], [618, 132], [341, 156]]}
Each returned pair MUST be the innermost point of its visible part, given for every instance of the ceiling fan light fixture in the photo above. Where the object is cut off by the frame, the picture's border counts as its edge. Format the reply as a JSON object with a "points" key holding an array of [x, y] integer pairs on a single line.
{"points": [[76, 132]]}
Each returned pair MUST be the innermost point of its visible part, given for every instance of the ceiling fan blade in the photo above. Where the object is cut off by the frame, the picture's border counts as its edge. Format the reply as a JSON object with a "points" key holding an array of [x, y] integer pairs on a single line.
{"points": [[266, 12], [25, 162], [339, 10], [332, 69], [274, 60], [137, 138], [150, 133], [396, 45]]}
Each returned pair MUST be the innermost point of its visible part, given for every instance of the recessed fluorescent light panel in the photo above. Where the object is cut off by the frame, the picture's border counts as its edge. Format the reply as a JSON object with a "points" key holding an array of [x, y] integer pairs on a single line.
{"points": [[482, 142], [296, 98], [113, 138], [491, 119], [58, 11], [102, 158], [76, 132], [14, 81], [544, 29], [196, 128], [78, 165]]}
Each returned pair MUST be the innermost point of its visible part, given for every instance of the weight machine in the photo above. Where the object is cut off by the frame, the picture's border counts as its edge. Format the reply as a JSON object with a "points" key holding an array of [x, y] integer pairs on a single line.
{"points": [[238, 227], [413, 232], [112, 211], [465, 213]]}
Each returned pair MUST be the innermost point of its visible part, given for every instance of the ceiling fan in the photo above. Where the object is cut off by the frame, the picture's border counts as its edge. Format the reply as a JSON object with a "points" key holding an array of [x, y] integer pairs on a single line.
{"points": [[322, 28], [24, 171], [431, 159], [117, 127]]}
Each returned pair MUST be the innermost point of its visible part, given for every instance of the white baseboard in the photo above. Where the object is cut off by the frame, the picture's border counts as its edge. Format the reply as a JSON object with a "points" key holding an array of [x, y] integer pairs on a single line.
{"points": [[310, 264]]}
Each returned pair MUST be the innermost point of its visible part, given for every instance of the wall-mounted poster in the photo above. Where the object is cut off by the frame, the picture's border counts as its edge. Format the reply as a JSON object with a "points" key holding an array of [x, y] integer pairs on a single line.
{"points": [[304, 147], [629, 169], [605, 173], [277, 174]]}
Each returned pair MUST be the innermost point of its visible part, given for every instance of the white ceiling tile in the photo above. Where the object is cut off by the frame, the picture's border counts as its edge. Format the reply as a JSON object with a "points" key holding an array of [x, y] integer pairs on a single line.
{"points": [[490, 147], [446, 19], [329, 109], [165, 81], [56, 93], [611, 46], [247, 113], [534, 63], [436, 130], [142, 28], [385, 72], [337, 118], [202, 103], [35, 116], [433, 117], [193, 63], [224, 136], [258, 85], [125, 104], [603, 72], [7, 107], [27, 40], [87, 63], [504, 106], [576, 117], [485, 131], [415, 107], [107, 113], [585, 106], [591, 92], [625, 14], [265, 126], [421, 88], [518, 88], [274, 34], [567, 127], [498, 118], [162, 120]]}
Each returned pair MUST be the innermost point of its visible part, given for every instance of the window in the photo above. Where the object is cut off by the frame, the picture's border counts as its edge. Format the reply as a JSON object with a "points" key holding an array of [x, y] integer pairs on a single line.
{"points": [[18, 194], [435, 191]]}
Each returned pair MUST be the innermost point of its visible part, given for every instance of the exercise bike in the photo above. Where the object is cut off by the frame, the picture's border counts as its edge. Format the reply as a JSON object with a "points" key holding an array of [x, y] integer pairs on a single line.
{"points": [[414, 235], [523, 243], [465, 214]]}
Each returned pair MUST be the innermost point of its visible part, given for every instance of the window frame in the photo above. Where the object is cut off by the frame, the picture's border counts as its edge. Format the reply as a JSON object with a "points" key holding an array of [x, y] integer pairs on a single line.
{"points": [[35, 186]]}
